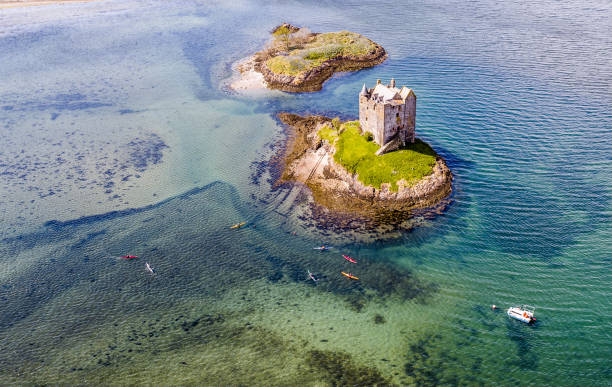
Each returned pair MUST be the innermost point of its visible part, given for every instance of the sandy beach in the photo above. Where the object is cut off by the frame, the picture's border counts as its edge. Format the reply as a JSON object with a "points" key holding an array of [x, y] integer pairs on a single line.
{"points": [[245, 78]]}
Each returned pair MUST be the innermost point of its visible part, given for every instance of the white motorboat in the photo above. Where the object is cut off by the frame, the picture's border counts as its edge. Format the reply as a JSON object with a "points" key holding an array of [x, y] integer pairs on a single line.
{"points": [[522, 313]]}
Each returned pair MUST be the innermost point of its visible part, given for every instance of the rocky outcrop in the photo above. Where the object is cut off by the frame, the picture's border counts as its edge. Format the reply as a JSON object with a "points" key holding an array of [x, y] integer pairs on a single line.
{"points": [[313, 79], [310, 161], [289, 27]]}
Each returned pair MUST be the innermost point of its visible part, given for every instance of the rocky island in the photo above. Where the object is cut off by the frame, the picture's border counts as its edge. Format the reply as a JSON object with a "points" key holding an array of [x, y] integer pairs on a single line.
{"points": [[369, 167], [297, 60]]}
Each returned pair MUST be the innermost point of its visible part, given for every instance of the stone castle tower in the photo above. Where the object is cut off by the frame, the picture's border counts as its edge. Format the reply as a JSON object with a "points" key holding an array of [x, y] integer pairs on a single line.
{"points": [[389, 114]]}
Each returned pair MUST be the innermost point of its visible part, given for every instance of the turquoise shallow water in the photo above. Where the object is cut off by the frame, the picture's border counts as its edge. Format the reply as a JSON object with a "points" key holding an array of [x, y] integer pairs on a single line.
{"points": [[118, 137]]}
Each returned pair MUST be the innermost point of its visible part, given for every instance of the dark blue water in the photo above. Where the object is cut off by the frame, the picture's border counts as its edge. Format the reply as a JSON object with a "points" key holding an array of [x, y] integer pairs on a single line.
{"points": [[118, 137]]}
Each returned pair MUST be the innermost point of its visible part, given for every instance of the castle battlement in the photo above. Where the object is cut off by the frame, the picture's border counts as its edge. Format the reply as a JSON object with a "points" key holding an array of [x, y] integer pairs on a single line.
{"points": [[388, 113]]}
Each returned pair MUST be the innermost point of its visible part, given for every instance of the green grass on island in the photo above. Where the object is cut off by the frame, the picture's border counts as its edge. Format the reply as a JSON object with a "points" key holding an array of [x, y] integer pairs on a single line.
{"points": [[304, 56], [328, 133], [356, 153]]}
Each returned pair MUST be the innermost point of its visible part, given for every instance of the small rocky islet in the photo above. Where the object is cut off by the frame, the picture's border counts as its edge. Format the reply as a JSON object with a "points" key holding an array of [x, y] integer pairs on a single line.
{"points": [[297, 60], [370, 167]]}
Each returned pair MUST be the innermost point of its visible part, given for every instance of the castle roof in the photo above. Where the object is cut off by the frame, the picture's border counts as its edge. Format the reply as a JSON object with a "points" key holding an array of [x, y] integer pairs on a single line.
{"points": [[364, 91], [386, 93], [405, 92]]}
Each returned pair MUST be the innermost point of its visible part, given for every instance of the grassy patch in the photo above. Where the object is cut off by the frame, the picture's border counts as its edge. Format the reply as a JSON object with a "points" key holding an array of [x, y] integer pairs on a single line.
{"points": [[328, 133], [350, 43], [289, 65], [320, 49], [355, 153]]}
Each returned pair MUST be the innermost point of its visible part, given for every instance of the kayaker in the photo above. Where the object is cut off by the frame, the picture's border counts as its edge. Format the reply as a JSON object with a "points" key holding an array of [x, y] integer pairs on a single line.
{"points": [[312, 277]]}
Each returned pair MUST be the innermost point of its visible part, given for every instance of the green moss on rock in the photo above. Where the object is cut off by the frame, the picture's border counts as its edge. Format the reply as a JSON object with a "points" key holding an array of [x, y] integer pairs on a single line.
{"points": [[328, 133]]}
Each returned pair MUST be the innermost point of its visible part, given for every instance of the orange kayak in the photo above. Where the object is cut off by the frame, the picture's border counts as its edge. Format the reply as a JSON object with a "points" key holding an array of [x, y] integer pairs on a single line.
{"points": [[349, 275]]}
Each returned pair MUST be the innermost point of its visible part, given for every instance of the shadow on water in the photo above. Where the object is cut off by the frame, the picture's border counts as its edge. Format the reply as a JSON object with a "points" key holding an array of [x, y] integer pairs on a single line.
{"points": [[522, 335]]}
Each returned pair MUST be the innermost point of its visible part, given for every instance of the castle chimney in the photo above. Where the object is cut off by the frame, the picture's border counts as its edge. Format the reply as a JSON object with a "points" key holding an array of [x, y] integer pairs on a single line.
{"points": [[378, 81], [392, 84]]}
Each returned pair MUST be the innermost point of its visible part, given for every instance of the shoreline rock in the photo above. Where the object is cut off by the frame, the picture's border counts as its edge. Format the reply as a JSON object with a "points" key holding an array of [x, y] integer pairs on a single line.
{"points": [[309, 160], [309, 81], [313, 80]]}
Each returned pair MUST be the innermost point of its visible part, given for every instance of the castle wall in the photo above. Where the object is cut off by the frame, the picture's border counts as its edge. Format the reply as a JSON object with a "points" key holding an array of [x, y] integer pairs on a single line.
{"points": [[379, 115], [387, 120], [371, 116], [392, 121], [364, 119], [410, 118], [399, 119]]}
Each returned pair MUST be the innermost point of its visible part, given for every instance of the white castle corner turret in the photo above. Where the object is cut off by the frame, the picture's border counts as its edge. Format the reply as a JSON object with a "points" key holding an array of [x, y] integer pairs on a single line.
{"points": [[389, 114]]}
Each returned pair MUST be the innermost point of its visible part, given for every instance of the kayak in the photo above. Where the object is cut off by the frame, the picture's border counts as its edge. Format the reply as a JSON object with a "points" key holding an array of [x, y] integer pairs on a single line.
{"points": [[349, 275], [321, 248], [238, 225], [149, 268], [129, 257], [349, 258], [312, 277]]}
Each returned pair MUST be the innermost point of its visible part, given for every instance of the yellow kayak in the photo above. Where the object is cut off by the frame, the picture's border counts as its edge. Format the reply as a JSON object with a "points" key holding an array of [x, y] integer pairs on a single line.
{"points": [[238, 225], [349, 275]]}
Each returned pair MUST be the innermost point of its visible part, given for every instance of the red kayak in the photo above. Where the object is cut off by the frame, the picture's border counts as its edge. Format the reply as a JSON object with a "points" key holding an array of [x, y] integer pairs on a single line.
{"points": [[129, 257], [349, 258]]}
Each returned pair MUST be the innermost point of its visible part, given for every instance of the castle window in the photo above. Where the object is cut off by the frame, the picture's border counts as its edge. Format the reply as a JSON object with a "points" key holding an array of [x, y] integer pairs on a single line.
{"points": [[397, 114]]}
